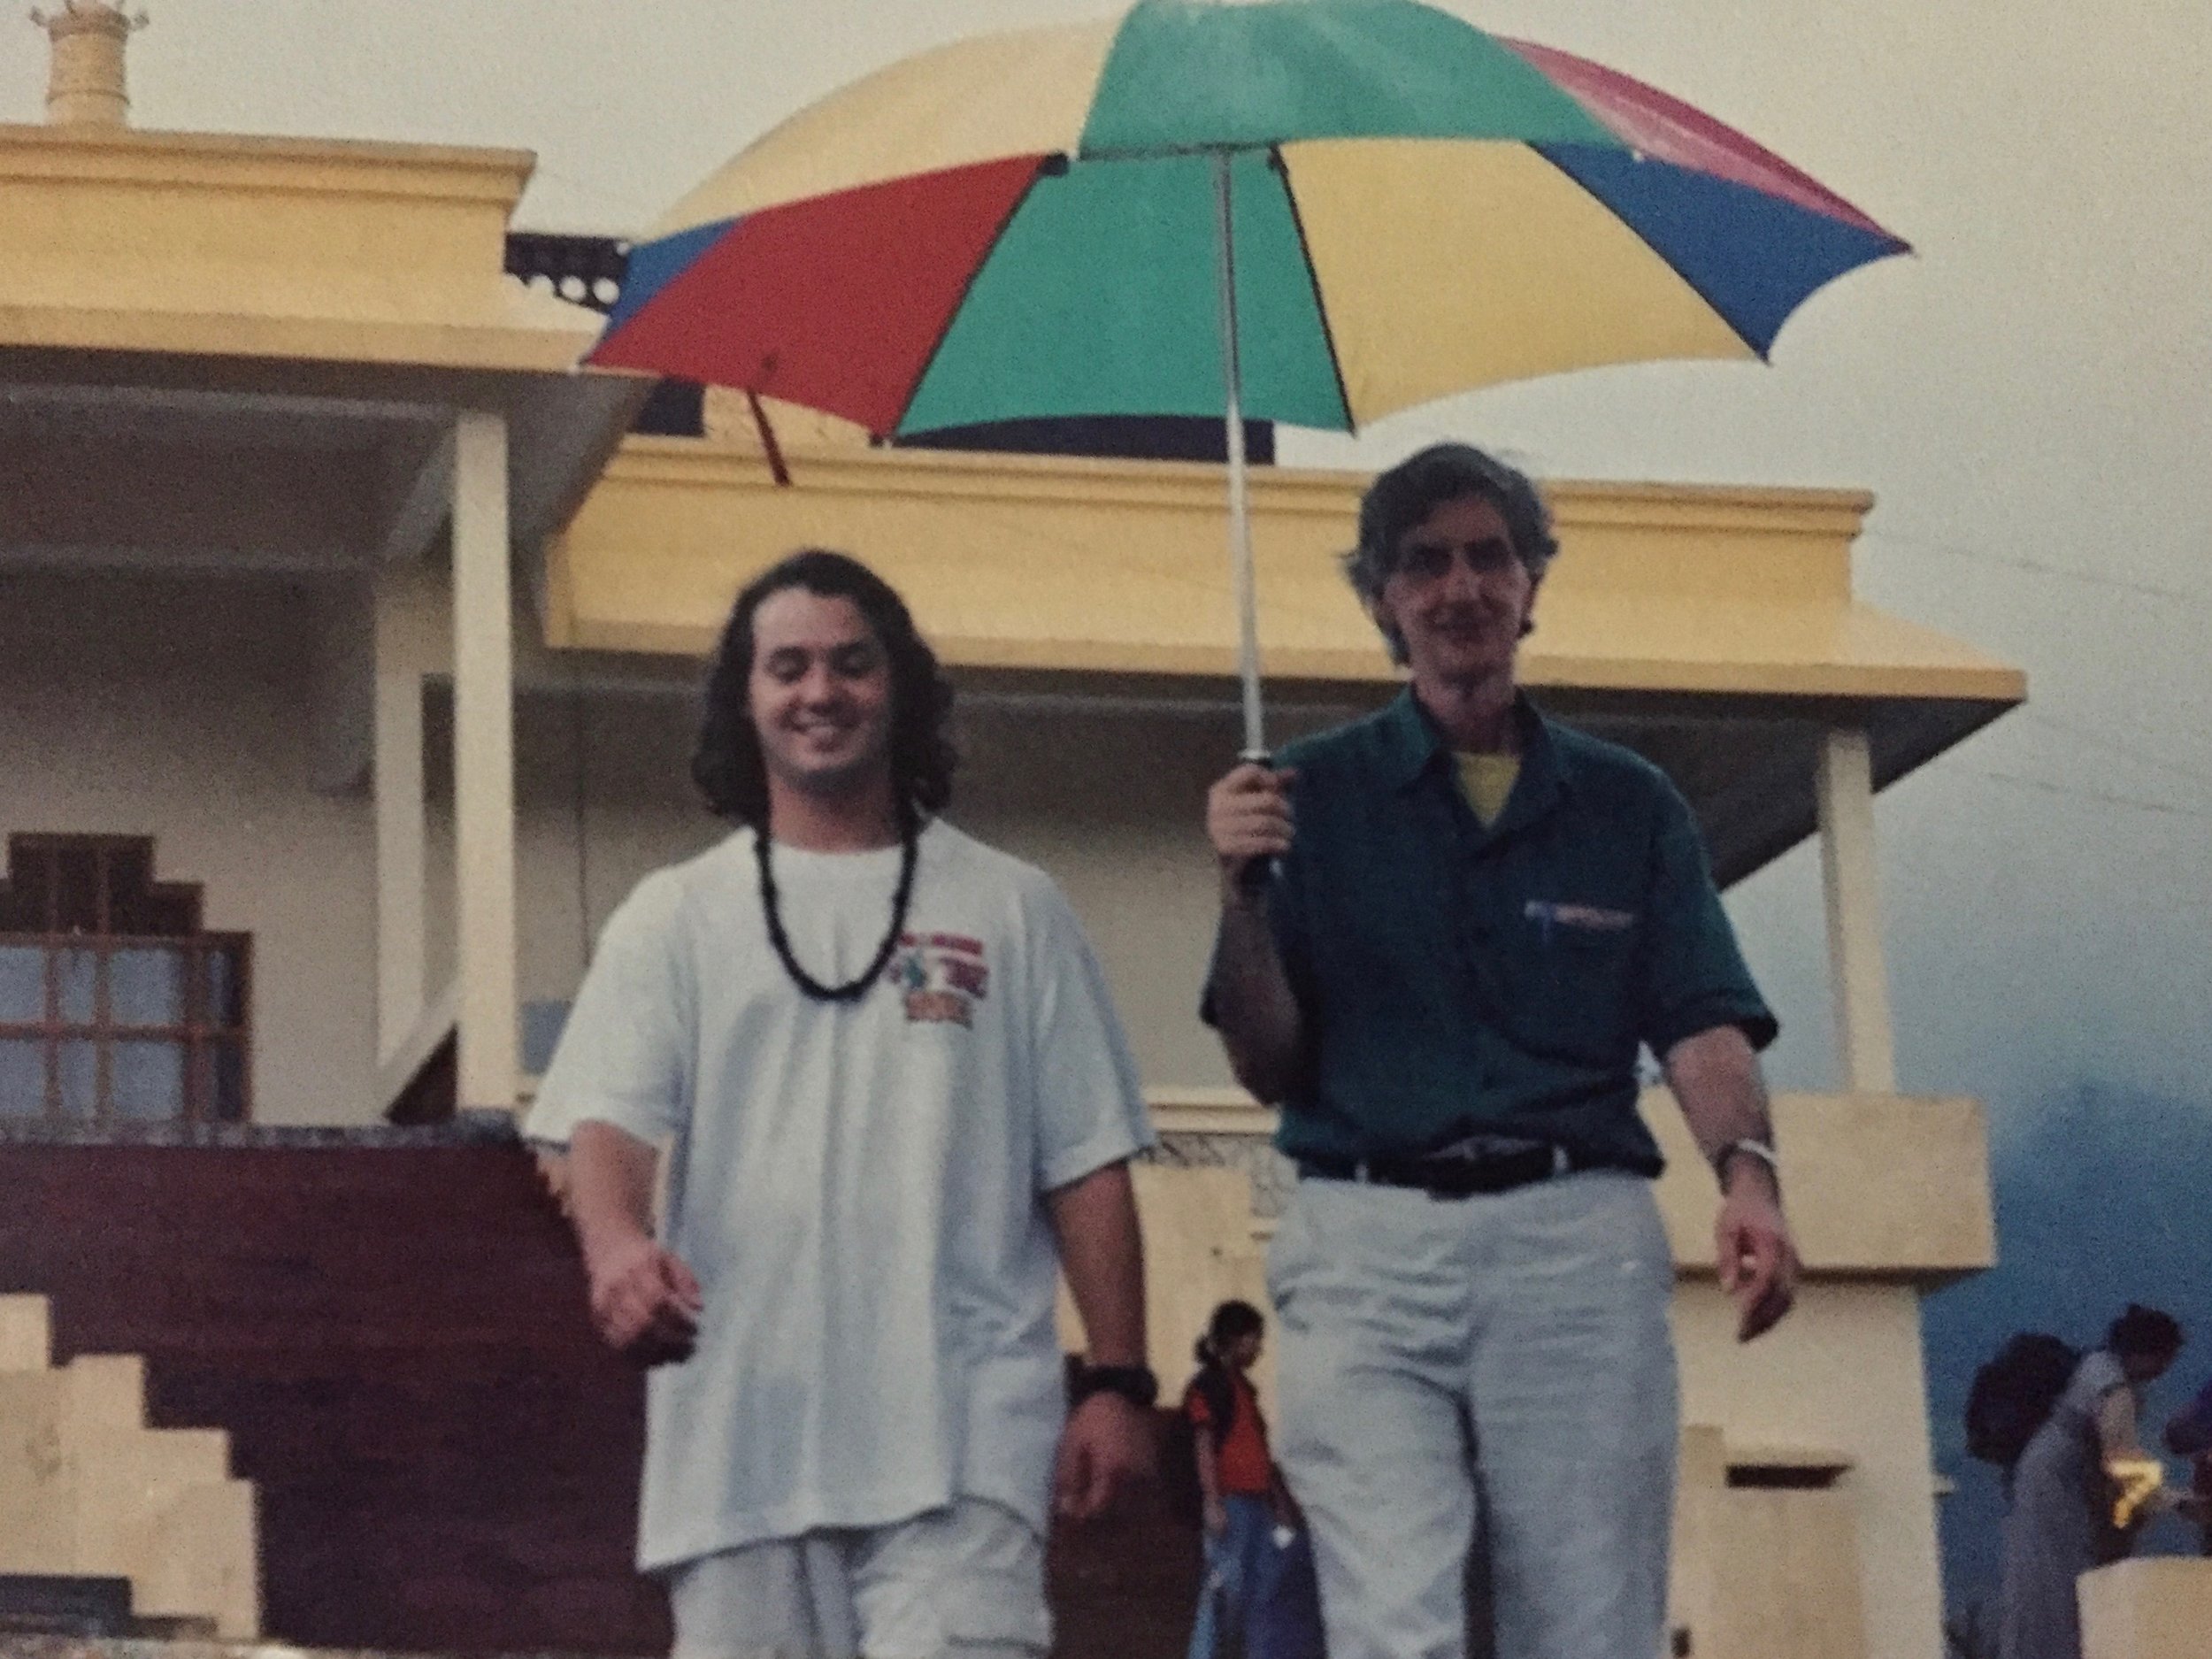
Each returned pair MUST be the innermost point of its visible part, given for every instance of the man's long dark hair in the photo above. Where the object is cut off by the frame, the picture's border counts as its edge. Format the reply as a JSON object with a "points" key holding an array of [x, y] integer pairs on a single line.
{"points": [[728, 764]]}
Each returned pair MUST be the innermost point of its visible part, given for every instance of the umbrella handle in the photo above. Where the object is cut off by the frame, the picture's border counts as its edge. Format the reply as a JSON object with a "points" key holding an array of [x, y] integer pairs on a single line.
{"points": [[1259, 873]]}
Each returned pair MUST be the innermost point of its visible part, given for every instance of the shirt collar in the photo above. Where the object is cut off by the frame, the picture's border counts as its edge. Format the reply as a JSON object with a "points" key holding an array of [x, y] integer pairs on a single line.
{"points": [[1414, 745]]}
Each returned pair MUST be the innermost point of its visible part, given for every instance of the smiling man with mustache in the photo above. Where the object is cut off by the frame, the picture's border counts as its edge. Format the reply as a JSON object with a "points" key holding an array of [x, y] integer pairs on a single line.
{"points": [[1448, 930]]}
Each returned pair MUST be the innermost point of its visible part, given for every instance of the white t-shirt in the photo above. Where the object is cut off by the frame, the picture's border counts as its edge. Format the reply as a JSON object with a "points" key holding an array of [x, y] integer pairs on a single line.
{"points": [[859, 1186]]}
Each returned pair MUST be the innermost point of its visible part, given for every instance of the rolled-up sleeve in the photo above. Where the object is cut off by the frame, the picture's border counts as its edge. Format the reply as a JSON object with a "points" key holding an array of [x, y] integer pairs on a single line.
{"points": [[622, 1056], [1693, 978]]}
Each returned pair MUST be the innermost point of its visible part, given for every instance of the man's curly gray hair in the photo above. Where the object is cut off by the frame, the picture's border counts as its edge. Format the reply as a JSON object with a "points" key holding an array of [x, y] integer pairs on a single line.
{"points": [[1404, 497]]}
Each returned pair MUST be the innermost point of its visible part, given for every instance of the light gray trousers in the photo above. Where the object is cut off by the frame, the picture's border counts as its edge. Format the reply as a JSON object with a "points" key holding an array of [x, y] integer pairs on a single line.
{"points": [[1496, 1369]]}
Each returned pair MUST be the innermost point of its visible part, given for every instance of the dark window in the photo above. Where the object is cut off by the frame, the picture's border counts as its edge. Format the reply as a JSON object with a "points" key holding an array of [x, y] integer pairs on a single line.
{"points": [[115, 1007], [588, 271]]}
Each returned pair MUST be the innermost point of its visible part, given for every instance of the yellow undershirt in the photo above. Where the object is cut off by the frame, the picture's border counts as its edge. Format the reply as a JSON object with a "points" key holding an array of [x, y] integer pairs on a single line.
{"points": [[1488, 781]]}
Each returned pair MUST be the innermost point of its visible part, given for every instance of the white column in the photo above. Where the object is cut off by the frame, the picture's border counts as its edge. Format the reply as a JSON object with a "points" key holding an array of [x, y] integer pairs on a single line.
{"points": [[484, 765], [396, 771], [1850, 873]]}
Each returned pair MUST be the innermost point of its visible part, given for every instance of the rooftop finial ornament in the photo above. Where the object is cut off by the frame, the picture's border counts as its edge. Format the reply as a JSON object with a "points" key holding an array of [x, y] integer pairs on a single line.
{"points": [[85, 86]]}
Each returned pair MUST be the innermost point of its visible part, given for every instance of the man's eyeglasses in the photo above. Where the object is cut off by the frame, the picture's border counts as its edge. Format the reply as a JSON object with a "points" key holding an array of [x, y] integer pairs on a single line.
{"points": [[1429, 561]]}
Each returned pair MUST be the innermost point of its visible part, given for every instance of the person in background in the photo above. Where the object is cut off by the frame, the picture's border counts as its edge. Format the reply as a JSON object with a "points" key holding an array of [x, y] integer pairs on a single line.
{"points": [[1257, 1571], [2189, 1434], [2060, 1523]]}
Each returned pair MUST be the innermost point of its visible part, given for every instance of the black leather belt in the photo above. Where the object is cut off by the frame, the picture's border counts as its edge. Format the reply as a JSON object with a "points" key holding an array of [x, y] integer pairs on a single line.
{"points": [[1450, 1177]]}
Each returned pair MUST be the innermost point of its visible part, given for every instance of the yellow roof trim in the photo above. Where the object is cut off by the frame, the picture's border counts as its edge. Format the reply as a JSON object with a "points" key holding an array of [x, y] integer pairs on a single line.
{"points": [[194, 243], [1118, 567], [491, 330], [167, 158]]}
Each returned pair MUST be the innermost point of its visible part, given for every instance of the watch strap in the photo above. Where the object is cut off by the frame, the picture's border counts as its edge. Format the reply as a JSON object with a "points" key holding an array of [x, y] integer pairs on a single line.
{"points": [[1748, 1148], [1136, 1384]]}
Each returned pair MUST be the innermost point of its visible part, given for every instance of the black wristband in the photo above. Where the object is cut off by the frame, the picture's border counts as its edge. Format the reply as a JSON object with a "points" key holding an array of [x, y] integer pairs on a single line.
{"points": [[1136, 1384]]}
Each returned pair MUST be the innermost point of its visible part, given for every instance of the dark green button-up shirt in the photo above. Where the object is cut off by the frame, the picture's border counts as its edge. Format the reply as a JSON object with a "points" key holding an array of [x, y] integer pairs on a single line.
{"points": [[1456, 979]]}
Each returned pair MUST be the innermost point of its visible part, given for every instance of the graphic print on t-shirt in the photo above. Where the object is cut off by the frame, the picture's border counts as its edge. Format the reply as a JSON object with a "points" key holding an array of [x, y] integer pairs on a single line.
{"points": [[943, 976]]}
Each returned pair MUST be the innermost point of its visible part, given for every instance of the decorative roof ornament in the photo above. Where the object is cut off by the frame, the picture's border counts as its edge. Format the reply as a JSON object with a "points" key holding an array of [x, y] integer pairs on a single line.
{"points": [[85, 85]]}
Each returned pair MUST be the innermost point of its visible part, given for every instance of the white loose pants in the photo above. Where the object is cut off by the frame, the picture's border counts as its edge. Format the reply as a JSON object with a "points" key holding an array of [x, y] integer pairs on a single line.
{"points": [[964, 1582], [1497, 1371]]}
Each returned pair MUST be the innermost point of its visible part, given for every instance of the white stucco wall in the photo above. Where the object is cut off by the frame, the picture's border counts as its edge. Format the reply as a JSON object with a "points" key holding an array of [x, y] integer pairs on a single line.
{"points": [[1108, 803], [179, 709], [184, 708], [1842, 1373]]}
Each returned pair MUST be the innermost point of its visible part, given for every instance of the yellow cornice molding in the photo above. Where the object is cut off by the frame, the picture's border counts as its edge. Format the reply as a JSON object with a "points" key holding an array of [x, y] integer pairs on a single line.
{"points": [[1662, 589], [272, 249], [1209, 1111], [488, 332], [1309, 491], [132, 155]]}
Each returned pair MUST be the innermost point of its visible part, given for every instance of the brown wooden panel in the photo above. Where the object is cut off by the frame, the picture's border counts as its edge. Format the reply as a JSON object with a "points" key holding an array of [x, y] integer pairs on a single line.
{"points": [[395, 1339]]}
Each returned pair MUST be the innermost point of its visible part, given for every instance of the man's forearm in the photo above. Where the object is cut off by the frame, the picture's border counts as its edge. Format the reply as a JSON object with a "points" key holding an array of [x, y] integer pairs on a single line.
{"points": [[611, 1184], [1101, 1252], [1254, 1007], [1715, 1077]]}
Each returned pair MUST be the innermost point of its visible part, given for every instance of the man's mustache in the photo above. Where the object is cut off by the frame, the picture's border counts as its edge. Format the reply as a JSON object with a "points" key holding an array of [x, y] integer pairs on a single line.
{"points": [[1460, 616]]}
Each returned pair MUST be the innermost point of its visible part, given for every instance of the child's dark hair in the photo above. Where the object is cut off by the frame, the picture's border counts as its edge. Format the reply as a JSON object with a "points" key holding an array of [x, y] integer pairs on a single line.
{"points": [[1231, 1320], [2149, 1332]]}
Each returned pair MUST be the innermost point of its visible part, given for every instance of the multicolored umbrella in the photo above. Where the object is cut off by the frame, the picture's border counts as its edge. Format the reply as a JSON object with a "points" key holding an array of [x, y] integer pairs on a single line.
{"points": [[1314, 211]]}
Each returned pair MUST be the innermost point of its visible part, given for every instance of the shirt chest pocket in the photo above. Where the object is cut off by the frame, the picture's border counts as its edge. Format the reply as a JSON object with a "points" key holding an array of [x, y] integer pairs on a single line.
{"points": [[1568, 979]]}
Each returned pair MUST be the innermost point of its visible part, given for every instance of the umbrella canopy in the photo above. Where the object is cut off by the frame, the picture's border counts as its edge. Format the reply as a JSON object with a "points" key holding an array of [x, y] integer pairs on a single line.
{"points": [[1028, 226]]}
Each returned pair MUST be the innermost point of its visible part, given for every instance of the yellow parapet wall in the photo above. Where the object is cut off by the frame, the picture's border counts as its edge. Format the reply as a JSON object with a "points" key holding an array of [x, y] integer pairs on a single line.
{"points": [[2147, 1609], [1119, 567], [207, 244], [1880, 1187], [87, 1488], [1884, 1187]]}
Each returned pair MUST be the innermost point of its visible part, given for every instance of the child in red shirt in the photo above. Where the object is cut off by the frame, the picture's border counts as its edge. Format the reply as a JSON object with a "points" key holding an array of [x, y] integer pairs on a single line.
{"points": [[1258, 1576]]}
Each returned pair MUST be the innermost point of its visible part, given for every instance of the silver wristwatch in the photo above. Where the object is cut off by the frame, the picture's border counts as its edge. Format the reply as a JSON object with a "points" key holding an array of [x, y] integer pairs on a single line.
{"points": [[1760, 1149]]}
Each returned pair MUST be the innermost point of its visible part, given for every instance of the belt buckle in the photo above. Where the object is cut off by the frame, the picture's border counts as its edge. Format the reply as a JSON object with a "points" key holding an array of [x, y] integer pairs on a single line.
{"points": [[1479, 1153], [1455, 1186], [1455, 1173]]}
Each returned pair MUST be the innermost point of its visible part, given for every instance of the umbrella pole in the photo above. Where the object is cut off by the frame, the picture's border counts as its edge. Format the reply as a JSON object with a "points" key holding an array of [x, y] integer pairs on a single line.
{"points": [[1239, 506], [777, 470]]}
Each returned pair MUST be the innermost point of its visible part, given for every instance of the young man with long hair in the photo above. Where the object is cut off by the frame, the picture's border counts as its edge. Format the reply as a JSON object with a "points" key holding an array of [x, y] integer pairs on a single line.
{"points": [[895, 1100]]}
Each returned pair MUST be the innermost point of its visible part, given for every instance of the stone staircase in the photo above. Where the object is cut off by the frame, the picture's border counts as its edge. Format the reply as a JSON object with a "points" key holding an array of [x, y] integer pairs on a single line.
{"points": [[87, 1491], [389, 1326]]}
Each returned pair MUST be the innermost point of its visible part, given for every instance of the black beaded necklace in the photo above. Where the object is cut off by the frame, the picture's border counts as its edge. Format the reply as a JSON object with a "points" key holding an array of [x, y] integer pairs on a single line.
{"points": [[854, 990]]}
